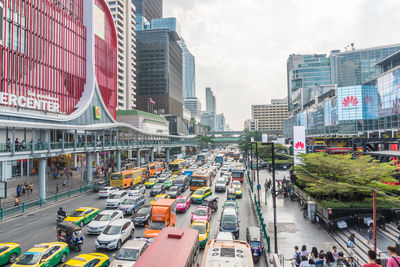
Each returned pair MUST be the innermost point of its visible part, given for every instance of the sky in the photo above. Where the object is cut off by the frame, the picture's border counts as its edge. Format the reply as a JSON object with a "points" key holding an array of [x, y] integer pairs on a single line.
{"points": [[241, 46]]}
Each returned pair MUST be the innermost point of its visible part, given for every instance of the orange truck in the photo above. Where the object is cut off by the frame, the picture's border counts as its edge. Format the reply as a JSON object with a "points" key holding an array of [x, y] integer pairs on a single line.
{"points": [[163, 215]]}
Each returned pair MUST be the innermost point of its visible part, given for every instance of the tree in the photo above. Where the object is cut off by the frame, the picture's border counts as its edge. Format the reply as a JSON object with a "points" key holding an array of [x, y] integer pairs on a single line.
{"points": [[204, 141]]}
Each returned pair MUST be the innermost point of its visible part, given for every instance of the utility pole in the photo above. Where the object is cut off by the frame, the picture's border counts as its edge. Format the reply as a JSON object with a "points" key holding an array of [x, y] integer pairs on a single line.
{"points": [[258, 176], [274, 199], [374, 215]]}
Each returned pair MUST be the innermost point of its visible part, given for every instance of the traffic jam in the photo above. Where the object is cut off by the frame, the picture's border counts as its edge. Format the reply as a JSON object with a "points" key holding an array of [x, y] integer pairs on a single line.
{"points": [[185, 213]]}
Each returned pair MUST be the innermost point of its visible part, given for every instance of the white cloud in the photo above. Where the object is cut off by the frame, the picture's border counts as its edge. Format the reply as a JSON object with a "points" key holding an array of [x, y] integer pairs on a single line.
{"points": [[241, 46]]}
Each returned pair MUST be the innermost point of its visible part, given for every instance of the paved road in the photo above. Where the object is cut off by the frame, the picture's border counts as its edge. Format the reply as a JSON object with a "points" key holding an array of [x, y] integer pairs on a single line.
{"points": [[39, 226]]}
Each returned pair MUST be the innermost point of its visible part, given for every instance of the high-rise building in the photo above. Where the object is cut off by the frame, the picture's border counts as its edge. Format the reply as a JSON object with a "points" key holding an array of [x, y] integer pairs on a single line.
{"points": [[189, 72], [220, 122], [210, 101], [193, 105], [305, 71], [358, 66], [159, 69], [209, 119], [250, 125], [150, 9], [269, 117], [123, 12]]}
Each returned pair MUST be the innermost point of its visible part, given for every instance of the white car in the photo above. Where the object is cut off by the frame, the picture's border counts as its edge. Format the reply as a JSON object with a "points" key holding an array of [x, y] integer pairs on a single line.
{"points": [[139, 190], [106, 191], [115, 199], [103, 219], [115, 234], [129, 253]]}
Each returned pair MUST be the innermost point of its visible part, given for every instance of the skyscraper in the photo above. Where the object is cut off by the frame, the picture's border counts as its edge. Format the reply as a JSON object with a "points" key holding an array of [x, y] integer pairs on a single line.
{"points": [[159, 69], [220, 122], [189, 72], [150, 9], [210, 101], [123, 12]]}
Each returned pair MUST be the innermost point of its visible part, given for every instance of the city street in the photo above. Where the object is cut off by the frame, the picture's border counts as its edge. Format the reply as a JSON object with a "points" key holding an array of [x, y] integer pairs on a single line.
{"points": [[39, 226]]}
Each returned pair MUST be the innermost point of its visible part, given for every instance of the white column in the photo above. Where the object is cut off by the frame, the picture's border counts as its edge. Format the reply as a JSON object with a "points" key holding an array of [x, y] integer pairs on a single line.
{"points": [[42, 177]]}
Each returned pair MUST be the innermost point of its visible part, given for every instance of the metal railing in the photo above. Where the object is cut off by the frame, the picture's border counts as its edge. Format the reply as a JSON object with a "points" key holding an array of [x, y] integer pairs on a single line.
{"points": [[25, 206]]}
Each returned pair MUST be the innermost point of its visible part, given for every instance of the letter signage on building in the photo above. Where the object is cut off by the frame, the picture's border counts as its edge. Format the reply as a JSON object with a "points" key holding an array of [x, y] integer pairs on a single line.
{"points": [[32, 101], [299, 143]]}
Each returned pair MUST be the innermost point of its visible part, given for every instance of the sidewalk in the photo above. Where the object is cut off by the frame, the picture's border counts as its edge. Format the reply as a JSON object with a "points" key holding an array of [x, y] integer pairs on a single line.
{"points": [[51, 183], [293, 229]]}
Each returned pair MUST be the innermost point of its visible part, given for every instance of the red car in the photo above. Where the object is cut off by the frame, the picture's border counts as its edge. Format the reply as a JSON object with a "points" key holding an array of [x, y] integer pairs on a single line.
{"points": [[201, 213], [182, 203]]}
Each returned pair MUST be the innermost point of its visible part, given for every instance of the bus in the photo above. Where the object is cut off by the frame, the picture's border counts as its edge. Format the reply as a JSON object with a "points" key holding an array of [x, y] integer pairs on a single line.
{"points": [[177, 165], [155, 168], [219, 158], [201, 157], [144, 171], [201, 177], [227, 253], [238, 174], [126, 179], [173, 246]]}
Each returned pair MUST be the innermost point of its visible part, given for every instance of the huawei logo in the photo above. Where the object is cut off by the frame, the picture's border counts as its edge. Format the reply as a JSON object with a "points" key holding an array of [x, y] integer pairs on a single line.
{"points": [[299, 145], [350, 100]]}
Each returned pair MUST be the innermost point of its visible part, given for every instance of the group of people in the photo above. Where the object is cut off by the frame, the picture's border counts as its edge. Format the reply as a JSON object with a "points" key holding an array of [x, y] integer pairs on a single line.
{"points": [[393, 260], [304, 258], [20, 145], [23, 189]]}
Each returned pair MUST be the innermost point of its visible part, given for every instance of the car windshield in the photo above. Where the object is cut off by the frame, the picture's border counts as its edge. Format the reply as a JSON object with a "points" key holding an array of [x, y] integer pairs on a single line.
{"points": [[181, 200], [230, 204], [157, 186], [156, 225], [29, 258], [159, 197], [173, 189], [114, 196], [200, 212], [229, 219], [143, 211], [199, 192], [128, 201], [127, 254], [77, 213], [199, 227], [102, 217], [112, 230], [220, 182]]}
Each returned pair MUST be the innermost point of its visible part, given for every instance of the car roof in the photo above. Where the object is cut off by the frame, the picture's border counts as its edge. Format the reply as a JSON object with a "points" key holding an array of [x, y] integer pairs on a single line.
{"points": [[107, 212], [229, 211], [119, 222], [134, 244]]}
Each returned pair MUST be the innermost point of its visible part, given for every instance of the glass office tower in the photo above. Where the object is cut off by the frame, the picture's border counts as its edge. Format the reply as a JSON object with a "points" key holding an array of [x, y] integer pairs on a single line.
{"points": [[150, 9]]}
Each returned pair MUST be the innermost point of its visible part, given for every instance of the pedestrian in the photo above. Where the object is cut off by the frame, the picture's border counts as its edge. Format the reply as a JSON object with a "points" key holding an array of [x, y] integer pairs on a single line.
{"points": [[18, 191], [314, 253], [372, 260], [320, 261], [57, 188], [296, 256], [304, 252], [55, 174], [352, 262], [23, 144], [16, 144], [335, 253], [329, 260], [16, 202], [342, 260], [27, 190], [64, 183], [370, 233], [394, 260], [8, 145], [31, 187], [351, 242], [304, 261]]}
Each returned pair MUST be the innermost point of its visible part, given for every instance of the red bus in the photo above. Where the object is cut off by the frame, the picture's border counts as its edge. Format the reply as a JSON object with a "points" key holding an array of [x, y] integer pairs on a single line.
{"points": [[178, 247]]}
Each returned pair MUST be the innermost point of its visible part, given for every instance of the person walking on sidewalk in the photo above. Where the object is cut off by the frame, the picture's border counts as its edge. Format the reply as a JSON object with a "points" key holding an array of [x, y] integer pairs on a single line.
{"points": [[55, 174], [8, 145], [64, 183], [394, 260], [57, 188], [372, 260], [342, 260], [296, 256], [16, 202], [370, 233], [18, 191]]}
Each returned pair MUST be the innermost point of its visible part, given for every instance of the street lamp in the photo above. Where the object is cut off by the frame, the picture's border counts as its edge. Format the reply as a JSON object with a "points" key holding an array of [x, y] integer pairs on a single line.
{"points": [[264, 142]]}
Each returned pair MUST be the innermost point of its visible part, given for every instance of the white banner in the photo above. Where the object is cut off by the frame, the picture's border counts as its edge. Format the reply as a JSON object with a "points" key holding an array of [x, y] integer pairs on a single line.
{"points": [[299, 143]]}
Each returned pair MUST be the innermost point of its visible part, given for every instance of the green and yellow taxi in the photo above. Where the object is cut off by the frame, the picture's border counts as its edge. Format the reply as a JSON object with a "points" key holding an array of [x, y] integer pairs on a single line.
{"points": [[173, 177], [200, 194], [44, 255], [203, 227], [82, 216], [91, 259], [150, 182], [168, 183], [159, 196], [9, 252], [238, 190]]}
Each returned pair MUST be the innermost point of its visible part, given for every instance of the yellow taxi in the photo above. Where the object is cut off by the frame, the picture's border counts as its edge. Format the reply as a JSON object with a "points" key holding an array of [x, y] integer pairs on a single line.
{"points": [[9, 252], [203, 227], [173, 177], [200, 194], [92, 260], [159, 196], [44, 254], [150, 182], [82, 216], [238, 190]]}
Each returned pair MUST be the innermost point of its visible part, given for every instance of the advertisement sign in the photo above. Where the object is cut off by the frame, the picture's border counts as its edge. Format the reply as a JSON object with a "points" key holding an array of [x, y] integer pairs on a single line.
{"points": [[97, 112], [99, 22], [349, 103], [299, 143], [370, 102], [264, 138]]}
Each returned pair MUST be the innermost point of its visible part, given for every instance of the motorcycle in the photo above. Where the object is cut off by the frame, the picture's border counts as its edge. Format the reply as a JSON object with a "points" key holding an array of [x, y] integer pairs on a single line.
{"points": [[60, 218]]}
